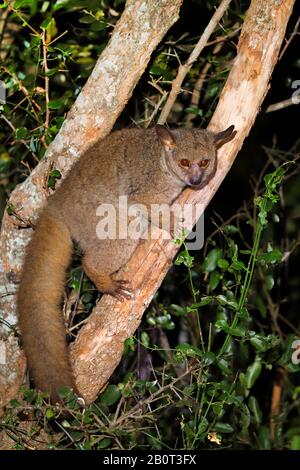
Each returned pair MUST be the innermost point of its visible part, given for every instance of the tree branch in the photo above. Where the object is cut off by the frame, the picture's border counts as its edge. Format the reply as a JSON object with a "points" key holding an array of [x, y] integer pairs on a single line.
{"points": [[99, 346], [139, 30]]}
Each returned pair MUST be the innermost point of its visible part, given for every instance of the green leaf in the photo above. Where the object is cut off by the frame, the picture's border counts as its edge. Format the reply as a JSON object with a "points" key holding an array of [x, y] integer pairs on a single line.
{"points": [[178, 310], [55, 104], [98, 26], [274, 256], [293, 368], [185, 258], [46, 23], [165, 321], [210, 262], [208, 358], [55, 174], [21, 133], [110, 396], [29, 395], [204, 301], [245, 416], [213, 90], [51, 72], [15, 403], [188, 349], [76, 435], [223, 366], [289, 349], [104, 443], [262, 217], [222, 324], [223, 263], [217, 408], [252, 373], [264, 438], [261, 305], [236, 331], [66, 424], [23, 3], [224, 428], [242, 380], [203, 425], [295, 443], [151, 320], [64, 392], [272, 181], [214, 279], [35, 41], [238, 265], [59, 4], [86, 19], [258, 343], [53, 177], [269, 279], [129, 344], [160, 68], [255, 409], [231, 229], [190, 389], [156, 70], [264, 343], [244, 314], [194, 110], [50, 413], [145, 339]]}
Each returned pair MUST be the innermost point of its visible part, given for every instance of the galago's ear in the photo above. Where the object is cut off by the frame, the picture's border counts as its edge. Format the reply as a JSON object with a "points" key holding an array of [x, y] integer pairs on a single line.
{"points": [[166, 137], [223, 137]]}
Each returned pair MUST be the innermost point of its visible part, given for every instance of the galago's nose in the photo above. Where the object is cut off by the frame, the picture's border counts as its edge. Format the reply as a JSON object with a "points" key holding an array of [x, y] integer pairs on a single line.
{"points": [[195, 175]]}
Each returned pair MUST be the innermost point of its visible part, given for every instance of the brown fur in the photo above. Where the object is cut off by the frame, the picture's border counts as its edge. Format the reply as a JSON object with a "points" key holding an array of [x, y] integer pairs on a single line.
{"points": [[142, 164]]}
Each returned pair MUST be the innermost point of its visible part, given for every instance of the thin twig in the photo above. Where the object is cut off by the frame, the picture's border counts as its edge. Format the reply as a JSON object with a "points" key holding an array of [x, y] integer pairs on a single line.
{"points": [[276, 402], [24, 91], [46, 70], [156, 109], [199, 84], [185, 68], [10, 124], [282, 104], [3, 23], [293, 34], [57, 38], [154, 397]]}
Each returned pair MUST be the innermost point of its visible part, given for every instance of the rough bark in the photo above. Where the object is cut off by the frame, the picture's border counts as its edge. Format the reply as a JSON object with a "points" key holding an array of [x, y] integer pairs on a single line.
{"points": [[99, 346], [139, 30]]}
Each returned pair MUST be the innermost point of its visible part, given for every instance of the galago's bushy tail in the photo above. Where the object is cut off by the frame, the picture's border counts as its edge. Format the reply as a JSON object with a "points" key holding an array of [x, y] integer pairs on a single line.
{"points": [[39, 297]]}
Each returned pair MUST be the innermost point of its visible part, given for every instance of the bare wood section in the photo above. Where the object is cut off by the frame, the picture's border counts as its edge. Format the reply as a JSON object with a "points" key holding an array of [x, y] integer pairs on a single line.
{"points": [[139, 30], [99, 346]]}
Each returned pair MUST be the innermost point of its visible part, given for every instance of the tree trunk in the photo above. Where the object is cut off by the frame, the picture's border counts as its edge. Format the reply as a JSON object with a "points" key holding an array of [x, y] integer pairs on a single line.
{"points": [[99, 345], [139, 30]]}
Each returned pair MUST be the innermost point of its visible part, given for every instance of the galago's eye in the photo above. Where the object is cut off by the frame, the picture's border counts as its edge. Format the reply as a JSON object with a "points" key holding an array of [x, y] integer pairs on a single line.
{"points": [[185, 163], [204, 163]]}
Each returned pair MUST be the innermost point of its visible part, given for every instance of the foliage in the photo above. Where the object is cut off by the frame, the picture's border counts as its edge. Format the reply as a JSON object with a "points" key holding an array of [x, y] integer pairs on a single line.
{"points": [[217, 339]]}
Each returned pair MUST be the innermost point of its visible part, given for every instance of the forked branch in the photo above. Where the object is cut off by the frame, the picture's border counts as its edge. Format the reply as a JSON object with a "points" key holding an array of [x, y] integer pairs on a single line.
{"points": [[99, 346]]}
